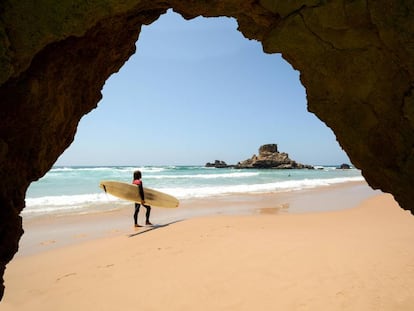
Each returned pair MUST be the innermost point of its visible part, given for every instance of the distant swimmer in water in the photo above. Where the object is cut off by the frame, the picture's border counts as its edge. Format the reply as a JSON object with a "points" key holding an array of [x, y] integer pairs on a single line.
{"points": [[137, 181]]}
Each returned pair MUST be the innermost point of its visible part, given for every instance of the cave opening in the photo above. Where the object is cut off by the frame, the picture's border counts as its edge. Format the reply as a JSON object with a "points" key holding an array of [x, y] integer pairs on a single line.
{"points": [[355, 98], [194, 91], [202, 91]]}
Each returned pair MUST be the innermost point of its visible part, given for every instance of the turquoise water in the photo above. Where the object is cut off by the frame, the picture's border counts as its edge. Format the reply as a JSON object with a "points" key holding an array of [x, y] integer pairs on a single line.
{"points": [[76, 189]]}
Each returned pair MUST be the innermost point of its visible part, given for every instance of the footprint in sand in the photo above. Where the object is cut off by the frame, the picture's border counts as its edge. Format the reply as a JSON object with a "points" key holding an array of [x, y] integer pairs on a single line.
{"points": [[106, 266], [113, 232], [80, 236], [65, 276], [48, 242]]}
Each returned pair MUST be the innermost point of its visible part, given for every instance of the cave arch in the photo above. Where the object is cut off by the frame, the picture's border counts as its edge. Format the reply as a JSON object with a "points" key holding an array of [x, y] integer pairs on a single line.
{"points": [[355, 58], [207, 67]]}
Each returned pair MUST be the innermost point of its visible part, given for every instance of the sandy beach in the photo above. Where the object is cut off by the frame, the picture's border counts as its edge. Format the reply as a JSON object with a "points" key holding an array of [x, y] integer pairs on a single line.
{"points": [[340, 248]]}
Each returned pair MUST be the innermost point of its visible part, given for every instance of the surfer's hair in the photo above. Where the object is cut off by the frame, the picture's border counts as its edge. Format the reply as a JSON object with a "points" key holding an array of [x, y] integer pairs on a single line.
{"points": [[137, 175]]}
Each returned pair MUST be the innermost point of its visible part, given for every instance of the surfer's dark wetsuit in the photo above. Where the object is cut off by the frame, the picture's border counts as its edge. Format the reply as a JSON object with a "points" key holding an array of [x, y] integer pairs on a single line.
{"points": [[137, 181]]}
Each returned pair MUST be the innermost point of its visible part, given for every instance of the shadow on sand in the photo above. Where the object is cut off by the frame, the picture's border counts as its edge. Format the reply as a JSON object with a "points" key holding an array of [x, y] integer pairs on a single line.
{"points": [[153, 227]]}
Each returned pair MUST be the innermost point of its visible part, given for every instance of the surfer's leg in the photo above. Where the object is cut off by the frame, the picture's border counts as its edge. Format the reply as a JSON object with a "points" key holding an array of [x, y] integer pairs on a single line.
{"points": [[147, 214], [137, 205]]}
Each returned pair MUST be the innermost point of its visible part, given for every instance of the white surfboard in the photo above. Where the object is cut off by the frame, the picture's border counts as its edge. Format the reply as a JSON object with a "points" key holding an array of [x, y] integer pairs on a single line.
{"points": [[129, 191]]}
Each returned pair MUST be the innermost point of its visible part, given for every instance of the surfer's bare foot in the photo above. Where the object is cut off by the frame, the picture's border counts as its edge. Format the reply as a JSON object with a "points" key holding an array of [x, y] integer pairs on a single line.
{"points": [[148, 223], [137, 226]]}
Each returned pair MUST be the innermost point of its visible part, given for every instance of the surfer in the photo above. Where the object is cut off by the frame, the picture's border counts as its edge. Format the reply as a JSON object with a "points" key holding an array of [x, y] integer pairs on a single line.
{"points": [[137, 181]]}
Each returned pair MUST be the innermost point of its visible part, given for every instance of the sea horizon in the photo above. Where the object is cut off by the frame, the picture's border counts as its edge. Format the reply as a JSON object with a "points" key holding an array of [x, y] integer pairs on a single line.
{"points": [[75, 189]]}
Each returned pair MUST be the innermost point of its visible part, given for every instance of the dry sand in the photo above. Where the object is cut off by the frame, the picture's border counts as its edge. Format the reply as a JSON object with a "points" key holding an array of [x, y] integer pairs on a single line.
{"points": [[354, 259]]}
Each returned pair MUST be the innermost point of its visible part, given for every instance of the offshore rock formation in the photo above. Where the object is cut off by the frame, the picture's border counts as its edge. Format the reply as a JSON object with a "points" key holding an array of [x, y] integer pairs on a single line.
{"points": [[218, 164], [269, 157], [356, 60], [344, 166]]}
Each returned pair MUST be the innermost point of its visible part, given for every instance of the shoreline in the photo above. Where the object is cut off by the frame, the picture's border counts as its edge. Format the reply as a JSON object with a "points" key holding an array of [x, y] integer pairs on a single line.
{"points": [[47, 232], [358, 258], [75, 190]]}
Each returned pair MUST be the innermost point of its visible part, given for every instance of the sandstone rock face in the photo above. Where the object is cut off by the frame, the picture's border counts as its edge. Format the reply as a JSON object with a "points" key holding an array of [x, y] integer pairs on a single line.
{"points": [[267, 149], [270, 158], [356, 60]]}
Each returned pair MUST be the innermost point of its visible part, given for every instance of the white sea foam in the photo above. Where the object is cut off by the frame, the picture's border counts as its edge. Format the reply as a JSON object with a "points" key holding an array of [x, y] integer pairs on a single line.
{"points": [[150, 169], [65, 202], [182, 182], [288, 185], [71, 169], [206, 176], [110, 169]]}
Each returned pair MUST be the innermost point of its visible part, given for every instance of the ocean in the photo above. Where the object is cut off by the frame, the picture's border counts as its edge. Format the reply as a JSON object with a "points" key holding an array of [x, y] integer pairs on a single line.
{"points": [[75, 190]]}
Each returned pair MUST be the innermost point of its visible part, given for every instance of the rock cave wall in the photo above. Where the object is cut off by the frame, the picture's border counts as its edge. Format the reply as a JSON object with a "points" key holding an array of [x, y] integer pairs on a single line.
{"points": [[356, 60]]}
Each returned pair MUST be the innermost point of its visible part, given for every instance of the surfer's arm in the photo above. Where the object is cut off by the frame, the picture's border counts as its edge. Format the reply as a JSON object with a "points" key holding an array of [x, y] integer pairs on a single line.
{"points": [[141, 193]]}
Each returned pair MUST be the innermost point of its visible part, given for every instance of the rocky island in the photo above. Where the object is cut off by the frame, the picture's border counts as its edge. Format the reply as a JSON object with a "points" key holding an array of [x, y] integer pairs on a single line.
{"points": [[218, 164], [269, 158]]}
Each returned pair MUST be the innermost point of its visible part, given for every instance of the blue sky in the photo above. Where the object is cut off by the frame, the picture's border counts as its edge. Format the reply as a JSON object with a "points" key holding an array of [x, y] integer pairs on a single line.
{"points": [[196, 91]]}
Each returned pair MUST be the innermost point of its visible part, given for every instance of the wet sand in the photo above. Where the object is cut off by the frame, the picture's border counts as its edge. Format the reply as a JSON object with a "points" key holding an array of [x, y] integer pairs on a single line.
{"points": [[305, 250]]}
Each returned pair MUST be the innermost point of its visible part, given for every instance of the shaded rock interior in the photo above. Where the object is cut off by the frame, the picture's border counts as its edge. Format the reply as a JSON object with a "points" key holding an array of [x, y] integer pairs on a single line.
{"points": [[356, 60]]}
